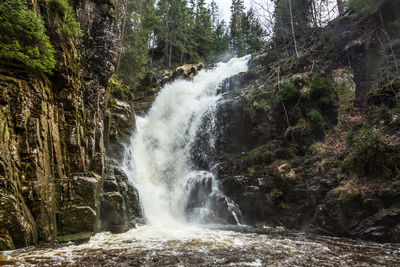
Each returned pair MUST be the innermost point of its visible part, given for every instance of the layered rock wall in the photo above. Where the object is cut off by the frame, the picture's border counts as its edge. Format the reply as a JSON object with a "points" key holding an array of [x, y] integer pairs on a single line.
{"points": [[284, 171], [52, 133]]}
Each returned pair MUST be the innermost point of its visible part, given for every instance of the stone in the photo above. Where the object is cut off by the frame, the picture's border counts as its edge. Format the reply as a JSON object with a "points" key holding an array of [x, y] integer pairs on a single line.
{"points": [[79, 196]]}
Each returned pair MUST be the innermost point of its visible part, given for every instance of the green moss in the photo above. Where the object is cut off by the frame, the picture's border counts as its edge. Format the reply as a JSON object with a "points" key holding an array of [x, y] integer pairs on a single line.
{"points": [[329, 40], [117, 88], [6, 242], [78, 116], [68, 24], [112, 3], [316, 148], [48, 92], [260, 150], [74, 237], [276, 194], [9, 79], [396, 110], [23, 39], [251, 170], [345, 90], [61, 7], [301, 124]]}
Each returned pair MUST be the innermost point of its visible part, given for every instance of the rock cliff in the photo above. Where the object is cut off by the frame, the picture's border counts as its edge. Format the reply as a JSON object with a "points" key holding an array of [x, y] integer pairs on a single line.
{"points": [[53, 135], [312, 144]]}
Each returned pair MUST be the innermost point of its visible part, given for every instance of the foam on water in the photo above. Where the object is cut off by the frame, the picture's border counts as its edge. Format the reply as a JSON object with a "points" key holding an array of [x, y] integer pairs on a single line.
{"points": [[196, 246]]}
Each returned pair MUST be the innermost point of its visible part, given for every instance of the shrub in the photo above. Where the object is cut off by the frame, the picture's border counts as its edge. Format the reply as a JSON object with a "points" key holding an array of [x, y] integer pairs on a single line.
{"points": [[320, 90], [261, 105], [23, 37], [329, 40], [346, 193], [288, 93], [363, 7], [316, 119], [61, 7], [118, 90], [381, 113], [370, 154], [69, 25], [350, 137]]}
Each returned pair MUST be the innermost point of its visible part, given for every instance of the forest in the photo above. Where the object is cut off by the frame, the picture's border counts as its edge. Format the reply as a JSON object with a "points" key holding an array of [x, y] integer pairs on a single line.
{"points": [[200, 132]]}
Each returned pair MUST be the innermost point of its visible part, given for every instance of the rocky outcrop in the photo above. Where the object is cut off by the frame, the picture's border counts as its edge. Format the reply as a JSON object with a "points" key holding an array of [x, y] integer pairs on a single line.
{"points": [[153, 82], [120, 207], [284, 170], [52, 140], [78, 204]]}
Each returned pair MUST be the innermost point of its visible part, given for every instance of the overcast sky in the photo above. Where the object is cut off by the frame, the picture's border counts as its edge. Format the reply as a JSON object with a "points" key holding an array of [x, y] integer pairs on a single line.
{"points": [[225, 8]]}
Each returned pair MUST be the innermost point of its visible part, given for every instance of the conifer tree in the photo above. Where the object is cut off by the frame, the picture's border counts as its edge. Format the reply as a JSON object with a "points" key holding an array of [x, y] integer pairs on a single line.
{"points": [[203, 30], [246, 33], [173, 29], [138, 23], [221, 41], [253, 33], [237, 38]]}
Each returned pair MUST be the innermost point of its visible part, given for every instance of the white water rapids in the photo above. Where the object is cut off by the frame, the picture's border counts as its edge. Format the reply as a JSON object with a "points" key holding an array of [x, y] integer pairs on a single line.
{"points": [[159, 161]]}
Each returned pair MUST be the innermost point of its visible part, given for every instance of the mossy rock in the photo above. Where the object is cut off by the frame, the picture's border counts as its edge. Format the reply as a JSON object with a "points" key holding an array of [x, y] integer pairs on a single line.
{"points": [[82, 236], [6, 242], [347, 193]]}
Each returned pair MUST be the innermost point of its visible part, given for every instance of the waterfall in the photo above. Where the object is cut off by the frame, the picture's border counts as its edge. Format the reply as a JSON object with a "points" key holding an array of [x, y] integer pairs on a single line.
{"points": [[160, 159]]}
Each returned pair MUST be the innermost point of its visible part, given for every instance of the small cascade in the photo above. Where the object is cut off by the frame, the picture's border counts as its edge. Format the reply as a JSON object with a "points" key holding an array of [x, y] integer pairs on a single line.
{"points": [[170, 155], [205, 203]]}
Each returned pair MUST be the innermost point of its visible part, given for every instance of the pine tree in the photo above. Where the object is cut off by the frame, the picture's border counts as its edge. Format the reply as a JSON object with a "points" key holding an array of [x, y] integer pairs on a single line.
{"points": [[214, 12], [138, 23], [221, 42], [253, 33], [246, 33], [203, 30], [237, 38], [173, 30]]}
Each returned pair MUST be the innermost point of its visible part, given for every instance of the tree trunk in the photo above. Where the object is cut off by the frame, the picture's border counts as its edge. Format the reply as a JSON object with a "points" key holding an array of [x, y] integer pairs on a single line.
{"points": [[340, 6], [170, 54], [291, 23]]}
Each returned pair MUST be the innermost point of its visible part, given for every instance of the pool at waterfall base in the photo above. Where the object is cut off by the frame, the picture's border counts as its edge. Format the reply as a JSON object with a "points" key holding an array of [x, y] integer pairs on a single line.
{"points": [[212, 245]]}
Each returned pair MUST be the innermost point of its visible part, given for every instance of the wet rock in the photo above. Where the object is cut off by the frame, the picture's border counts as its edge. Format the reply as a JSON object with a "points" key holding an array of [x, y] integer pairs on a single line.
{"points": [[18, 226], [119, 126], [120, 206], [383, 226], [53, 135]]}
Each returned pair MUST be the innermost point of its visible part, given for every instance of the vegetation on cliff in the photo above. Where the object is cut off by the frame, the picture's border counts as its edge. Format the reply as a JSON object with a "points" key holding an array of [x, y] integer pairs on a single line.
{"points": [[23, 38], [325, 157]]}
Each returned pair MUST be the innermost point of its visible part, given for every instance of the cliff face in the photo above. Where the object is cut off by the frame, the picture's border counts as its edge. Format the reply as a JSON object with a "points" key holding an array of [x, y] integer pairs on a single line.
{"points": [[53, 134], [312, 144]]}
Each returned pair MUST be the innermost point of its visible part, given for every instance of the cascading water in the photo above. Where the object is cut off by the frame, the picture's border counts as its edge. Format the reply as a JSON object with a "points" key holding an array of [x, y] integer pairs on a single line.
{"points": [[159, 160]]}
